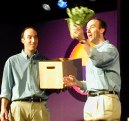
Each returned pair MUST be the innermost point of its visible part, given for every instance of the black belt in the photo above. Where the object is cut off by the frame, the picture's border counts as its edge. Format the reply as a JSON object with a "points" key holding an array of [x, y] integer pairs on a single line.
{"points": [[32, 99], [97, 93]]}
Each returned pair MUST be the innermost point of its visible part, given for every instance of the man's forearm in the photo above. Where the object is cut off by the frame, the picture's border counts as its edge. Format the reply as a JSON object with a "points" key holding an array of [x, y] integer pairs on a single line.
{"points": [[4, 103], [80, 85]]}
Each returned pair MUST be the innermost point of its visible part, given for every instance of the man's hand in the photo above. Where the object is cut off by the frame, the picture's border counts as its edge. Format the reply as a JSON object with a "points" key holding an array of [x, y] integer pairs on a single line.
{"points": [[78, 33], [69, 81]]}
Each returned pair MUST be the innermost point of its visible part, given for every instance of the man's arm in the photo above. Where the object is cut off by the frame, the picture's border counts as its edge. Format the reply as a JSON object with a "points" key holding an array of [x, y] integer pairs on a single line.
{"points": [[70, 81], [4, 109], [79, 35]]}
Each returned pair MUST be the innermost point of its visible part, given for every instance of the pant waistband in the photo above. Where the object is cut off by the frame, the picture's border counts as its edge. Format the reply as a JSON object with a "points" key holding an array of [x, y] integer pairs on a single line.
{"points": [[97, 93], [32, 99]]}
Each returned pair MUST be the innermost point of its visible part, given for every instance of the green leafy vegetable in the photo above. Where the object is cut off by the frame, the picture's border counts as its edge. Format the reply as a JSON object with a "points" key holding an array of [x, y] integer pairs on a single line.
{"points": [[78, 15]]}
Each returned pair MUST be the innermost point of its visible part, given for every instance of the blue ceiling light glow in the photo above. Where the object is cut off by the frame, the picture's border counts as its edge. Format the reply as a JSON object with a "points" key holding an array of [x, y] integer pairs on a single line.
{"points": [[62, 4]]}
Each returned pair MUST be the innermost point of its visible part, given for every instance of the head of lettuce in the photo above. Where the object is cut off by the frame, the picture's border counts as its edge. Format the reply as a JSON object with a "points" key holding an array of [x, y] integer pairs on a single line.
{"points": [[78, 15]]}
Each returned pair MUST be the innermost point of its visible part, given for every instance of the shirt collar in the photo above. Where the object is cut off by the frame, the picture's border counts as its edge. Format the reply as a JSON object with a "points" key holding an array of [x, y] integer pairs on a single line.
{"points": [[26, 56], [101, 44]]}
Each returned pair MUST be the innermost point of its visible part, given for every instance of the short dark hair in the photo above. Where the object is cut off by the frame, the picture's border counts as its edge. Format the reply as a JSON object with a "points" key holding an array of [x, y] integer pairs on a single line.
{"points": [[102, 23], [29, 27]]}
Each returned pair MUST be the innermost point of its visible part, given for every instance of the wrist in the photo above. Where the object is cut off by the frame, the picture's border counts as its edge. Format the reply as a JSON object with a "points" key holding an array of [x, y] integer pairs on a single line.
{"points": [[83, 41]]}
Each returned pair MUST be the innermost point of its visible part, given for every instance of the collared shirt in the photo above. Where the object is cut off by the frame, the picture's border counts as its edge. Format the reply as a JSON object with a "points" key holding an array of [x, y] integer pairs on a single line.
{"points": [[21, 77], [103, 68]]}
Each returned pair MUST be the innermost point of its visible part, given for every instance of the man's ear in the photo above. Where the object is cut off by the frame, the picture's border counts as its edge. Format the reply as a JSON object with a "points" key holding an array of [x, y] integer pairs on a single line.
{"points": [[22, 40], [102, 30]]}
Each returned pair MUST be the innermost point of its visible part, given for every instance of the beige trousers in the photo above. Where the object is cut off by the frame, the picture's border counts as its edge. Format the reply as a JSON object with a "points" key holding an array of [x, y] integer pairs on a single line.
{"points": [[29, 111], [104, 107]]}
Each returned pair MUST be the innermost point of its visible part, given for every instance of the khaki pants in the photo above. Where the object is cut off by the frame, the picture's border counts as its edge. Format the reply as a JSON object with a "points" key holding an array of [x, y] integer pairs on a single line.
{"points": [[29, 111], [103, 107]]}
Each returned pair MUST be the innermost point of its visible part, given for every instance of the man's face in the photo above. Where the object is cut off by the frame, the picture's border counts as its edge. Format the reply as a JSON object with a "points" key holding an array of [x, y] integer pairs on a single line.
{"points": [[30, 40], [93, 30]]}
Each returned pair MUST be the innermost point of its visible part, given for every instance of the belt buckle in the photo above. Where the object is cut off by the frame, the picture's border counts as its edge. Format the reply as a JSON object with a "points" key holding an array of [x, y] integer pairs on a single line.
{"points": [[31, 99], [102, 93]]}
